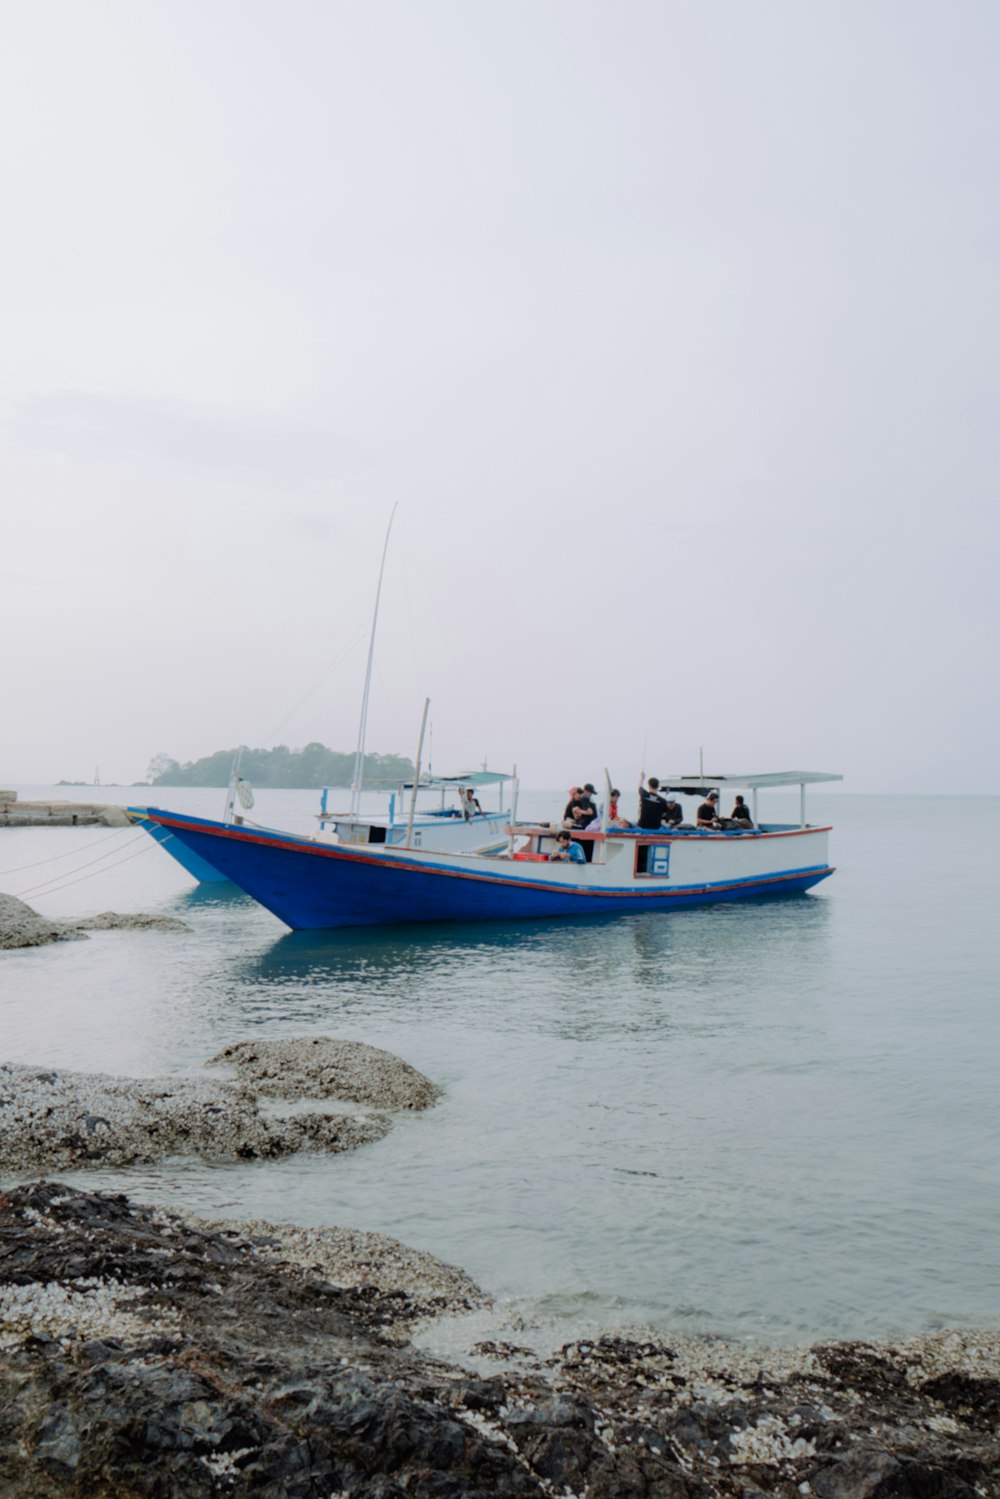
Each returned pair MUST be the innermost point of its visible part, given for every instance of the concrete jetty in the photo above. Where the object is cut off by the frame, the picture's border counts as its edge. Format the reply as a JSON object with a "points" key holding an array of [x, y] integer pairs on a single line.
{"points": [[17, 814]]}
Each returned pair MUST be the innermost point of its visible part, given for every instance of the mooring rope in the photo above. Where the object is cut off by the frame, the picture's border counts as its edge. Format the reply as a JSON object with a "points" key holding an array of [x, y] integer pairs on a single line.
{"points": [[58, 882], [70, 854]]}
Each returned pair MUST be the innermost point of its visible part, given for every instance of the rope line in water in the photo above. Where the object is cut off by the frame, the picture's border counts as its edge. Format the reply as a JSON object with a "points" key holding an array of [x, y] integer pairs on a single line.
{"points": [[124, 860], [57, 886], [58, 881], [71, 853]]}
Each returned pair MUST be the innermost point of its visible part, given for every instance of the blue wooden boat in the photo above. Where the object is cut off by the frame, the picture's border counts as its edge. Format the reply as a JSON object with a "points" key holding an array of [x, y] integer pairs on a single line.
{"points": [[311, 885]]}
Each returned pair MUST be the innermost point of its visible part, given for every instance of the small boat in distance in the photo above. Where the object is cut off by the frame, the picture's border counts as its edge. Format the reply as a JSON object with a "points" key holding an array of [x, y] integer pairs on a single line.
{"points": [[312, 885]]}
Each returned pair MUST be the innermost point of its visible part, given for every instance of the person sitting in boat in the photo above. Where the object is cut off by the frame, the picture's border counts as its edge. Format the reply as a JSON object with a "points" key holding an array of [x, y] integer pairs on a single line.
{"points": [[470, 804], [567, 850], [708, 812], [652, 805], [580, 809], [740, 815], [585, 802], [673, 815]]}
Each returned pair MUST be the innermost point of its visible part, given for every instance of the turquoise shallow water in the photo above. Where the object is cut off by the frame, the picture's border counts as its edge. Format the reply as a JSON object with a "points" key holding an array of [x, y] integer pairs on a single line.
{"points": [[777, 1120]]}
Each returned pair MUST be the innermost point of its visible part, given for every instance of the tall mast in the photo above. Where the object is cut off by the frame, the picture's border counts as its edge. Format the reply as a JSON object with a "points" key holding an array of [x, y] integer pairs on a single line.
{"points": [[359, 758]]}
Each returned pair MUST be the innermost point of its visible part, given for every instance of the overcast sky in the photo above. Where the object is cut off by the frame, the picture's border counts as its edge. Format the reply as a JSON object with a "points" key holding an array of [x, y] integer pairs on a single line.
{"points": [[672, 328]]}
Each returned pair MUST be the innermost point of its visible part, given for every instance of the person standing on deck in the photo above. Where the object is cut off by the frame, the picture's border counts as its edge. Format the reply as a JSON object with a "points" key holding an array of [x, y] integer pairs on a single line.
{"points": [[652, 806]]}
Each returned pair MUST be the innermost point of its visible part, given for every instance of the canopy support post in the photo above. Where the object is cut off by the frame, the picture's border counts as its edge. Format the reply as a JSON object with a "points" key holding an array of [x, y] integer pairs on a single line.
{"points": [[513, 815], [416, 775]]}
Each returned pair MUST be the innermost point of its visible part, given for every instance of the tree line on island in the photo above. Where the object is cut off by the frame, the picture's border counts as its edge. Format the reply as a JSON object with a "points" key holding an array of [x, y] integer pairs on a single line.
{"points": [[293, 769]]}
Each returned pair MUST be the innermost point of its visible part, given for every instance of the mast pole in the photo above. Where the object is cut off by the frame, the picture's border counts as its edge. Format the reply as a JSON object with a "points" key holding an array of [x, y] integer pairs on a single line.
{"points": [[359, 758], [416, 776]]}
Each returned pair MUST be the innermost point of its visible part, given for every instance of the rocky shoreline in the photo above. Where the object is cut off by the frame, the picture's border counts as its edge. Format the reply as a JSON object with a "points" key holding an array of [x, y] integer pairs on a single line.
{"points": [[153, 1355], [60, 1120], [142, 1354]]}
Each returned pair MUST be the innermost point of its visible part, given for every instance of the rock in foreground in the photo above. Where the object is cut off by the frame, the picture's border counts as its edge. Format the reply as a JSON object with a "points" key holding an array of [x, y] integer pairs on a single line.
{"points": [[20, 926], [323, 1067], [143, 1356], [63, 1120], [130, 921]]}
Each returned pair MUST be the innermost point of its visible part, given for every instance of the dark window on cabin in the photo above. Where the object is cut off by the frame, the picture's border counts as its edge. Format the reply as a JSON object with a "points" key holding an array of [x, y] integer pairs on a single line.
{"points": [[376, 835], [653, 859]]}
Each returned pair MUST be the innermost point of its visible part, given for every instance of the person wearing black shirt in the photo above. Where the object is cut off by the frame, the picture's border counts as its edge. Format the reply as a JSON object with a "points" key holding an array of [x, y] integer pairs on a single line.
{"points": [[652, 806], [741, 813], [580, 809], [673, 816], [708, 812]]}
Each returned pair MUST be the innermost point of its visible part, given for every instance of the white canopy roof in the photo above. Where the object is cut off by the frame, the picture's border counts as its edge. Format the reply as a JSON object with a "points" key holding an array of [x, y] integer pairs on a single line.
{"points": [[697, 784], [473, 778]]}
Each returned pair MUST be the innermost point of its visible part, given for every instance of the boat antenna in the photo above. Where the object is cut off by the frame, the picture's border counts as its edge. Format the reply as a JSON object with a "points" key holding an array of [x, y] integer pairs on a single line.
{"points": [[359, 758]]}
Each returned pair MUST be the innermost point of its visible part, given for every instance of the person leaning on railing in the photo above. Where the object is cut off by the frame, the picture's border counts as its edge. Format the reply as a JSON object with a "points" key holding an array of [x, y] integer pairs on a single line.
{"points": [[567, 850]]}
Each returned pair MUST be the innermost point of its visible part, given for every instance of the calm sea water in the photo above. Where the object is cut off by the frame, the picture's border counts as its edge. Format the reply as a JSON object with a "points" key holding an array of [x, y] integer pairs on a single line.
{"points": [[777, 1120]]}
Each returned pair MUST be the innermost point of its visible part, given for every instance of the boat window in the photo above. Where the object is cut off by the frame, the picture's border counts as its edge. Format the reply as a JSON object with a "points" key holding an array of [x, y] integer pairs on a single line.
{"points": [[652, 859]]}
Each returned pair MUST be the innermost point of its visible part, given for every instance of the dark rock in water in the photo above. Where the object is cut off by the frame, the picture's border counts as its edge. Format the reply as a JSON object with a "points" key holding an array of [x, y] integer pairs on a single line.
{"points": [[56, 1121], [324, 1067], [20, 926], [133, 921], [141, 1355]]}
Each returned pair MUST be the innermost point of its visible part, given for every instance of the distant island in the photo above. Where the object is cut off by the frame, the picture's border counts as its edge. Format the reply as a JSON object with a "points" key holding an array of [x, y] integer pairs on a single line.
{"points": [[81, 782], [306, 769]]}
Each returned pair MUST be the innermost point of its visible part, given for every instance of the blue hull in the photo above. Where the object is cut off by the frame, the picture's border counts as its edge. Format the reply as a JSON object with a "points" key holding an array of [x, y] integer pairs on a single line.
{"points": [[196, 866], [312, 887]]}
